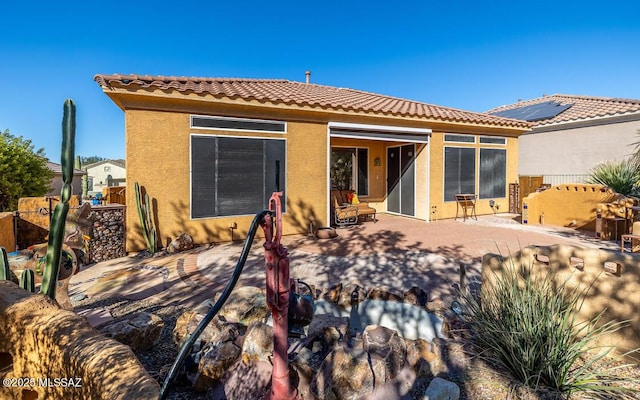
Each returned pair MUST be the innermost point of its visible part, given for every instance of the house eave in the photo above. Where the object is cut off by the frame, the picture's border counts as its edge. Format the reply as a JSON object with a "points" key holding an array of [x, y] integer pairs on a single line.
{"points": [[158, 100], [586, 122]]}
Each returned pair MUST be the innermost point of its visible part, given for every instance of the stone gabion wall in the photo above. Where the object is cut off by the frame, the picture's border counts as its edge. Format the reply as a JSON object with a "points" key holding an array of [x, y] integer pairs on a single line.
{"points": [[107, 233]]}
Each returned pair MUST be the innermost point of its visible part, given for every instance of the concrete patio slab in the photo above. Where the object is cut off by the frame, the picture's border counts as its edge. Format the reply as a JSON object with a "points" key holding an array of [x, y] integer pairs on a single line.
{"points": [[395, 252]]}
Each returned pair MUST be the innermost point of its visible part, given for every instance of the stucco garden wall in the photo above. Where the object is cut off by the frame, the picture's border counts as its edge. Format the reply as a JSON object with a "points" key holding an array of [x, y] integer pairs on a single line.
{"points": [[39, 340], [7, 234], [570, 205], [615, 291]]}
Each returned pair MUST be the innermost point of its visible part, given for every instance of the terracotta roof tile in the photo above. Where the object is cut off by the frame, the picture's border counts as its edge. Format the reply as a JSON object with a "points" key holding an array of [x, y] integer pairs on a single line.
{"points": [[280, 91], [582, 107]]}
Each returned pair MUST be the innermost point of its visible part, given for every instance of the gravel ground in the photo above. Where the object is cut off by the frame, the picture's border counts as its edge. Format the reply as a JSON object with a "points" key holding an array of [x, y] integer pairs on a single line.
{"points": [[476, 379]]}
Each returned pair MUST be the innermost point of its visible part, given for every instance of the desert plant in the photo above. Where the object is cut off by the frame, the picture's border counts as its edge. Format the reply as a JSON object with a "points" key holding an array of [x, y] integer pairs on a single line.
{"points": [[623, 176], [28, 280], [527, 324], [146, 218], [56, 233], [5, 272]]}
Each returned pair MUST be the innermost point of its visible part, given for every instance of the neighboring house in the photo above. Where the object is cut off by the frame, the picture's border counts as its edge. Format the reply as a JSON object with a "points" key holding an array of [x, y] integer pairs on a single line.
{"points": [[105, 173], [210, 152], [57, 182], [572, 134]]}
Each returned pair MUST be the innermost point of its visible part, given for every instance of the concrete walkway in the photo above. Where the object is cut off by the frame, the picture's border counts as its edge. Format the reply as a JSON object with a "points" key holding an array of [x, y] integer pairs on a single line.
{"points": [[395, 252]]}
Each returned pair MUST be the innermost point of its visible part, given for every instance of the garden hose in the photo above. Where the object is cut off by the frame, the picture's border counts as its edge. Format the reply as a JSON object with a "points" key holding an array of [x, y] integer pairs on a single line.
{"points": [[186, 347]]}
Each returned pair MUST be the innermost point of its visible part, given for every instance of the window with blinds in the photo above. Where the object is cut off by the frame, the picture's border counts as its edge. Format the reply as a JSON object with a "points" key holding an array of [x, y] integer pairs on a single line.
{"points": [[235, 176]]}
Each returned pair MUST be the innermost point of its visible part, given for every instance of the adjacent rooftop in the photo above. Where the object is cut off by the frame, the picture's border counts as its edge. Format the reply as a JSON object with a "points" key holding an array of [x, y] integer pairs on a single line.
{"points": [[560, 108]]}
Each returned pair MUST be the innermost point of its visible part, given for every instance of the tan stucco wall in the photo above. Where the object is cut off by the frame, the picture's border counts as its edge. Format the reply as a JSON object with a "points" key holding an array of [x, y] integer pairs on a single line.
{"points": [[447, 209], [152, 136], [157, 144], [39, 340], [570, 205], [36, 209], [576, 151], [615, 290], [7, 235]]}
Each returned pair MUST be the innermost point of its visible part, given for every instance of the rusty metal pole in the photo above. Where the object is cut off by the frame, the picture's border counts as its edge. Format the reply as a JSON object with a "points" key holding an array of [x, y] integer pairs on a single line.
{"points": [[278, 284]]}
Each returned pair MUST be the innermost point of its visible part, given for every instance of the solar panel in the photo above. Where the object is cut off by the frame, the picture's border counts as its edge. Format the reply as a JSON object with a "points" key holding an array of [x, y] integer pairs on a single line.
{"points": [[534, 112]]}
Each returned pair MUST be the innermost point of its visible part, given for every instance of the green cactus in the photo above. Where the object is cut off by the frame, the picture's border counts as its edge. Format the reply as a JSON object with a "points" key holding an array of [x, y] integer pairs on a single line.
{"points": [[5, 272], [146, 219], [28, 280], [56, 233]]}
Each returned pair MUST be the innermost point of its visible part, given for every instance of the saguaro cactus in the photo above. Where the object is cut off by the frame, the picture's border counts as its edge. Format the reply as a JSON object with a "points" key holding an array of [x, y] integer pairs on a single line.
{"points": [[56, 232], [5, 272], [146, 219]]}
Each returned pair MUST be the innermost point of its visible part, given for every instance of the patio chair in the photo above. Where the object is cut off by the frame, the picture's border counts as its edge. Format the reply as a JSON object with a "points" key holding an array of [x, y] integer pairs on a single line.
{"points": [[340, 198], [344, 215]]}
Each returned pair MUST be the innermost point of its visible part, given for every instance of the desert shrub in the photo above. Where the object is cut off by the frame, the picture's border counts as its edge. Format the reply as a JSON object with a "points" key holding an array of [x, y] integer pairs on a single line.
{"points": [[527, 325], [623, 176]]}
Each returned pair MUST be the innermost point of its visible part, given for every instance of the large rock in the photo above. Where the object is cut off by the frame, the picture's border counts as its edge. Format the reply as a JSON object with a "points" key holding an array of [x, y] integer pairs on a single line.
{"points": [[421, 357], [181, 243], [384, 293], [258, 343], [332, 294], [416, 296], [140, 332], [399, 388], [387, 351], [245, 305], [328, 330], [441, 389], [214, 364], [245, 382], [217, 330], [345, 374]]}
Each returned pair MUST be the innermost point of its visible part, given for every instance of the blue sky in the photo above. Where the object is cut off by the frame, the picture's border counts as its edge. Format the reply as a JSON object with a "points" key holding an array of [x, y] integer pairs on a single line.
{"points": [[464, 54]]}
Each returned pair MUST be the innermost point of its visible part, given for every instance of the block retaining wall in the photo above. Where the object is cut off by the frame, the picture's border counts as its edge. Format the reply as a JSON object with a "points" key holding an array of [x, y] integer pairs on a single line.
{"points": [[39, 340]]}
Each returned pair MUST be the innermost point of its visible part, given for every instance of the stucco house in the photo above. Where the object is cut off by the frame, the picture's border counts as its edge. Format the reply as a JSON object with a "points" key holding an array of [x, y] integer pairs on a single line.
{"points": [[57, 182], [105, 173], [210, 151], [572, 134]]}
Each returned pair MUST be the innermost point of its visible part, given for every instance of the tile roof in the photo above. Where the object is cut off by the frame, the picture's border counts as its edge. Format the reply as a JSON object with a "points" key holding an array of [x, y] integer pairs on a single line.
{"points": [[581, 107], [57, 169], [280, 91], [118, 162]]}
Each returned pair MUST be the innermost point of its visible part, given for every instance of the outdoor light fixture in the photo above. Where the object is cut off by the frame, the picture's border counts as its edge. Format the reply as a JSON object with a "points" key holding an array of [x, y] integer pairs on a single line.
{"points": [[376, 161]]}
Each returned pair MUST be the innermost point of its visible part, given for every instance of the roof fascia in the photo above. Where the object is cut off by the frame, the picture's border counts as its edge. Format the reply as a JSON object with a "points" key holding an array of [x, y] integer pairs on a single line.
{"points": [[128, 99], [586, 122]]}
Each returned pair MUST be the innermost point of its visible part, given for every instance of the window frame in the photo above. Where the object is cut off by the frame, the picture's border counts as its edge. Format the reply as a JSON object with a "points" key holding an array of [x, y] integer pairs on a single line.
{"points": [[258, 121], [355, 178], [504, 194], [504, 139], [215, 164], [444, 170], [452, 138]]}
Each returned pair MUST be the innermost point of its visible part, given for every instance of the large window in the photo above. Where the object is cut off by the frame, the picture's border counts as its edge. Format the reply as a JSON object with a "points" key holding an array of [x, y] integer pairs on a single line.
{"points": [[350, 169], [459, 171], [235, 176], [493, 173]]}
